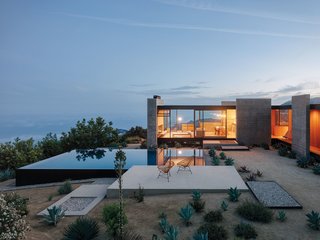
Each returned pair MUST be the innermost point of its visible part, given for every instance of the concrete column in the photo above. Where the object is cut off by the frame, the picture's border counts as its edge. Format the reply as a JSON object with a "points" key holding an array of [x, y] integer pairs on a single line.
{"points": [[152, 124], [253, 121], [301, 125]]}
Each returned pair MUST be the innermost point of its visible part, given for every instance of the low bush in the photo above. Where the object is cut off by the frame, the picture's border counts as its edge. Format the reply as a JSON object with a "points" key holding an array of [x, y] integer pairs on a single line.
{"points": [[200, 236], [140, 195], [258, 173], [224, 206], [110, 216], [215, 161], [243, 169], [265, 146], [245, 230], [131, 235], [65, 188], [186, 214], [197, 203], [302, 162], [282, 151], [251, 177], [55, 214], [14, 200], [222, 155], [292, 154], [281, 216], [212, 152], [83, 228], [7, 174], [316, 170], [229, 161], [164, 224], [162, 215], [214, 231], [255, 212], [213, 216], [234, 194], [313, 219]]}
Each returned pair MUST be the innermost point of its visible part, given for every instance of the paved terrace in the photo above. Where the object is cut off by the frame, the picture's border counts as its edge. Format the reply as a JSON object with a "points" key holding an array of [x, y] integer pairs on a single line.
{"points": [[203, 178]]}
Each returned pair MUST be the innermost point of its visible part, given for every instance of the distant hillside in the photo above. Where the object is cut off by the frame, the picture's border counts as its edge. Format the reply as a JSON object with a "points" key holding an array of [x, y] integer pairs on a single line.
{"points": [[315, 100]]}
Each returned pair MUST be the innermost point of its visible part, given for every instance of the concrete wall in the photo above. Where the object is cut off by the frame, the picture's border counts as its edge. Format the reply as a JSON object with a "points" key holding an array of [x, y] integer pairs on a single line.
{"points": [[301, 125], [253, 121], [152, 124]]}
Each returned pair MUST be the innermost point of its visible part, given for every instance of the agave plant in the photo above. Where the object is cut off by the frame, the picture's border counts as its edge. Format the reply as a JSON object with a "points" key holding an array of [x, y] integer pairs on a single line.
{"points": [[251, 177], [164, 225], [222, 155], [172, 233], [243, 169], [234, 194], [215, 161], [55, 214], [224, 206], [258, 173], [212, 152], [229, 161], [200, 236], [282, 216], [82, 229], [186, 214], [313, 219], [197, 204]]}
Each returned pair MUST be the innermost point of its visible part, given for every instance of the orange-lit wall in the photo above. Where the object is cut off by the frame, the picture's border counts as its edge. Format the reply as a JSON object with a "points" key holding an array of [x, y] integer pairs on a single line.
{"points": [[315, 128], [281, 131]]}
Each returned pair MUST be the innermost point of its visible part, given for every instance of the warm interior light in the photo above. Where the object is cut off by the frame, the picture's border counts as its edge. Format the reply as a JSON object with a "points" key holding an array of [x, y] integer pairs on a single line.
{"points": [[179, 152], [179, 119]]}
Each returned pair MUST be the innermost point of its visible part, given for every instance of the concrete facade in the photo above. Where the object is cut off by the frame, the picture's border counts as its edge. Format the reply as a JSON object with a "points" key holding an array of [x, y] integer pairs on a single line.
{"points": [[301, 125], [253, 121], [152, 122]]}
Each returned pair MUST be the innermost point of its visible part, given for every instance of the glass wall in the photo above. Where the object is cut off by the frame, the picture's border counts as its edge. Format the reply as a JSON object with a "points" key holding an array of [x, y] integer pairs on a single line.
{"points": [[231, 123], [182, 123], [210, 123], [163, 124], [281, 124]]}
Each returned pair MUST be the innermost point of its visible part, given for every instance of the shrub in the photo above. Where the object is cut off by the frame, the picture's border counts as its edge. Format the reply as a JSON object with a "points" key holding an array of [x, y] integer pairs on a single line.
{"points": [[55, 214], [83, 228], [313, 219], [234, 194], [140, 196], [212, 152], [255, 212], [130, 235], [251, 177], [110, 215], [243, 169], [164, 225], [7, 174], [172, 233], [200, 236], [245, 230], [65, 188], [292, 154], [214, 231], [213, 216], [258, 173], [229, 161], [197, 203], [14, 200], [316, 170], [50, 197], [281, 216], [224, 206], [186, 214], [223, 156], [12, 225], [302, 162], [265, 146], [215, 161], [282, 151], [162, 215]]}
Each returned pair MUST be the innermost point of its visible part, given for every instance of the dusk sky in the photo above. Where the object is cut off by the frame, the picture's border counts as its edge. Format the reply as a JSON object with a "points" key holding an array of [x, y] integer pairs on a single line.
{"points": [[61, 61]]}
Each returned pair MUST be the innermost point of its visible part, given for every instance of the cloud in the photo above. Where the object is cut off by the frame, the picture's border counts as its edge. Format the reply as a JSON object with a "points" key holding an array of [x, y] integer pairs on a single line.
{"points": [[132, 23], [207, 6], [185, 88], [143, 85], [308, 85]]}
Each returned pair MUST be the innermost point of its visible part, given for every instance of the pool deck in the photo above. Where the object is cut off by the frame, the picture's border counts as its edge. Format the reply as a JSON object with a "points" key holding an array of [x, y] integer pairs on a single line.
{"points": [[203, 178]]}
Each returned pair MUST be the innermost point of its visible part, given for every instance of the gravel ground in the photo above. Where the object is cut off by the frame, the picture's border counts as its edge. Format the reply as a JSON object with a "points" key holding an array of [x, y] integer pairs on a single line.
{"points": [[76, 203]]}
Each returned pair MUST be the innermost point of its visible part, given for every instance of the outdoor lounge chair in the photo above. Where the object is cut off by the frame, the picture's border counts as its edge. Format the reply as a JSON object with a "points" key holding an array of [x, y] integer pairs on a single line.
{"points": [[184, 165], [164, 171]]}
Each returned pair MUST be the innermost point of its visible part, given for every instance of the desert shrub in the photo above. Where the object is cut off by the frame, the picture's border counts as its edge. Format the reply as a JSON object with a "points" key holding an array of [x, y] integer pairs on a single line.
{"points": [[234, 194], [162, 215], [164, 224], [245, 230], [251, 177], [258, 173], [224, 206], [200, 236], [197, 203], [281, 216], [265, 146], [50, 197], [83, 228], [222, 155], [110, 216], [171, 233], [213, 216], [215, 161], [65, 188], [214, 231], [186, 214], [55, 214], [292, 154], [302, 162], [212, 152], [313, 219], [282, 151], [255, 212], [243, 169], [12, 224], [316, 170], [14, 200], [229, 161], [7, 174], [140, 195]]}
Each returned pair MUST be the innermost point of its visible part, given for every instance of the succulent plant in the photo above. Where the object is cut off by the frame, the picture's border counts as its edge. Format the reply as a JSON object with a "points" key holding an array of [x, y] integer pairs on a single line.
{"points": [[224, 206], [55, 214], [186, 214], [313, 219], [281, 216], [234, 194]]}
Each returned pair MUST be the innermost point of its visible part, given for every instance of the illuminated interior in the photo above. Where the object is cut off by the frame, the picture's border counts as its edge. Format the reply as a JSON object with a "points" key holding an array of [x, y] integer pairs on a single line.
{"points": [[191, 123], [315, 131], [281, 124], [181, 154]]}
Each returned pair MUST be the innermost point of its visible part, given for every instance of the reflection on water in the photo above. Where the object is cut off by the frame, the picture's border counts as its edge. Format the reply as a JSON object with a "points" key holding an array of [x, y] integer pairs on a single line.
{"points": [[84, 154], [179, 154]]}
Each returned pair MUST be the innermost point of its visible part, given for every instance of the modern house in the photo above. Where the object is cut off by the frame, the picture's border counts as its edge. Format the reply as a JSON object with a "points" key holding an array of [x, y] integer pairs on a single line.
{"points": [[249, 121]]}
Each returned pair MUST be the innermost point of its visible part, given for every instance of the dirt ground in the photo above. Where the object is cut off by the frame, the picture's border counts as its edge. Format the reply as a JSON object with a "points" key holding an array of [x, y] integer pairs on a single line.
{"points": [[302, 184]]}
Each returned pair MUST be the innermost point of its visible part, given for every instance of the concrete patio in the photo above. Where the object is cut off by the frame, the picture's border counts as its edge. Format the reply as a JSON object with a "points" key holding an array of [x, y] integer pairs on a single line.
{"points": [[203, 178]]}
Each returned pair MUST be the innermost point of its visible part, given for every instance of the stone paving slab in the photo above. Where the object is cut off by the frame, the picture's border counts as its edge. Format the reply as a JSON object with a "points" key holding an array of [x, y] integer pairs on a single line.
{"points": [[80, 195], [234, 148], [272, 195], [202, 178]]}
